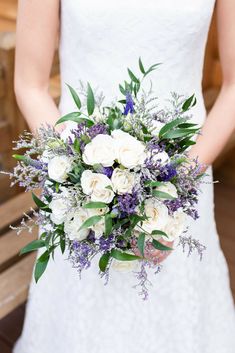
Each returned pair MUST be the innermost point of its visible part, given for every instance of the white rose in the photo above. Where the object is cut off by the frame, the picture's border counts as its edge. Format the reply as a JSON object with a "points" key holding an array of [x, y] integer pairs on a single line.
{"points": [[176, 225], [156, 127], [97, 186], [59, 167], [60, 206], [125, 266], [59, 210], [123, 181], [168, 188], [161, 157], [158, 216], [101, 150], [72, 226], [130, 152]]}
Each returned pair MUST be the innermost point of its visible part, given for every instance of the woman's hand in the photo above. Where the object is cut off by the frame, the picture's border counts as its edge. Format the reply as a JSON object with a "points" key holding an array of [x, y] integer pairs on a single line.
{"points": [[152, 254]]}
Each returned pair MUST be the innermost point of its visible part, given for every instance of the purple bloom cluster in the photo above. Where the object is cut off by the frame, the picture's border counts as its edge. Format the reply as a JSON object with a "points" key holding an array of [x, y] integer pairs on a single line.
{"points": [[129, 108], [127, 203], [106, 243], [97, 129], [167, 173], [82, 253]]}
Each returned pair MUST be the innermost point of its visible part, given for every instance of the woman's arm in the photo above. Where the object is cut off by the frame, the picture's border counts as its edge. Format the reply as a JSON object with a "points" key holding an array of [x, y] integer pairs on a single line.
{"points": [[221, 120], [37, 31]]}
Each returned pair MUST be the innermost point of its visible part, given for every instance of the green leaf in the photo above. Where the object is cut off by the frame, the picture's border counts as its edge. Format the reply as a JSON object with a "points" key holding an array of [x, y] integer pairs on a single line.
{"points": [[162, 195], [103, 262], [153, 183], [141, 243], [141, 66], [189, 103], [133, 77], [62, 243], [75, 97], [122, 90], [108, 224], [122, 256], [76, 145], [39, 202], [90, 100], [75, 116], [159, 232], [90, 222], [20, 158], [159, 246], [34, 245], [187, 125], [179, 133], [152, 68], [169, 126], [95, 205], [41, 265]]}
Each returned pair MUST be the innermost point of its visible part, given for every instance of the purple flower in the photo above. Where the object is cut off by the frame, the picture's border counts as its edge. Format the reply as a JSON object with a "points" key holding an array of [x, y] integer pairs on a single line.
{"points": [[129, 108], [106, 243], [81, 255], [108, 171], [97, 129], [127, 202], [167, 173]]}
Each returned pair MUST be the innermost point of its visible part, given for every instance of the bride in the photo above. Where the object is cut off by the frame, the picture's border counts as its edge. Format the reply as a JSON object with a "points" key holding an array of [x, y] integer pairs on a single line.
{"points": [[190, 309]]}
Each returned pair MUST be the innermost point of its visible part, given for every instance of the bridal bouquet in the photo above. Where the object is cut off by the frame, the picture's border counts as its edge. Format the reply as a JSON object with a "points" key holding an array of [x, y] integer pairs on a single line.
{"points": [[120, 187]]}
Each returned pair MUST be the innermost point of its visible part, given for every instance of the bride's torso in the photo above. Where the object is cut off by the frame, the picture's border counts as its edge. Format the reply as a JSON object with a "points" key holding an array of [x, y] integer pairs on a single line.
{"points": [[99, 39]]}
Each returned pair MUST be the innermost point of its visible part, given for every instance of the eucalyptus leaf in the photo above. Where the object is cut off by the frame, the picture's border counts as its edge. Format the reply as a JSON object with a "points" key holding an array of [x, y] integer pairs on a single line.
{"points": [[76, 117], [108, 224], [171, 125], [153, 183], [90, 100], [162, 195], [152, 68], [159, 246], [189, 103], [141, 243], [159, 232], [123, 256], [75, 97], [41, 265], [103, 262], [90, 222], [141, 66], [34, 245], [133, 77], [95, 205], [76, 145], [38, 202], [179, 133]]}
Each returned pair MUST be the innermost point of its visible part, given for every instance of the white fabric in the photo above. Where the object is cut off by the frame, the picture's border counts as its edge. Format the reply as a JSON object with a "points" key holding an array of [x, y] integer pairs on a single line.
{"points": [[190, 309]]}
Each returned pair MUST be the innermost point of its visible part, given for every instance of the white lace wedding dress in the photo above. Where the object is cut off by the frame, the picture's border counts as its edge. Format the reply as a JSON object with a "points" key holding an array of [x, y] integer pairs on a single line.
{"points": [[190, 308]]}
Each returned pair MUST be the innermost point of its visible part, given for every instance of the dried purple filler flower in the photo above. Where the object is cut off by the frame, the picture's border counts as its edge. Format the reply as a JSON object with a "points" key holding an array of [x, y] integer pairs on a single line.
{"points": [[97, 129], [81, 255], [191, 244], [127, 202]]}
